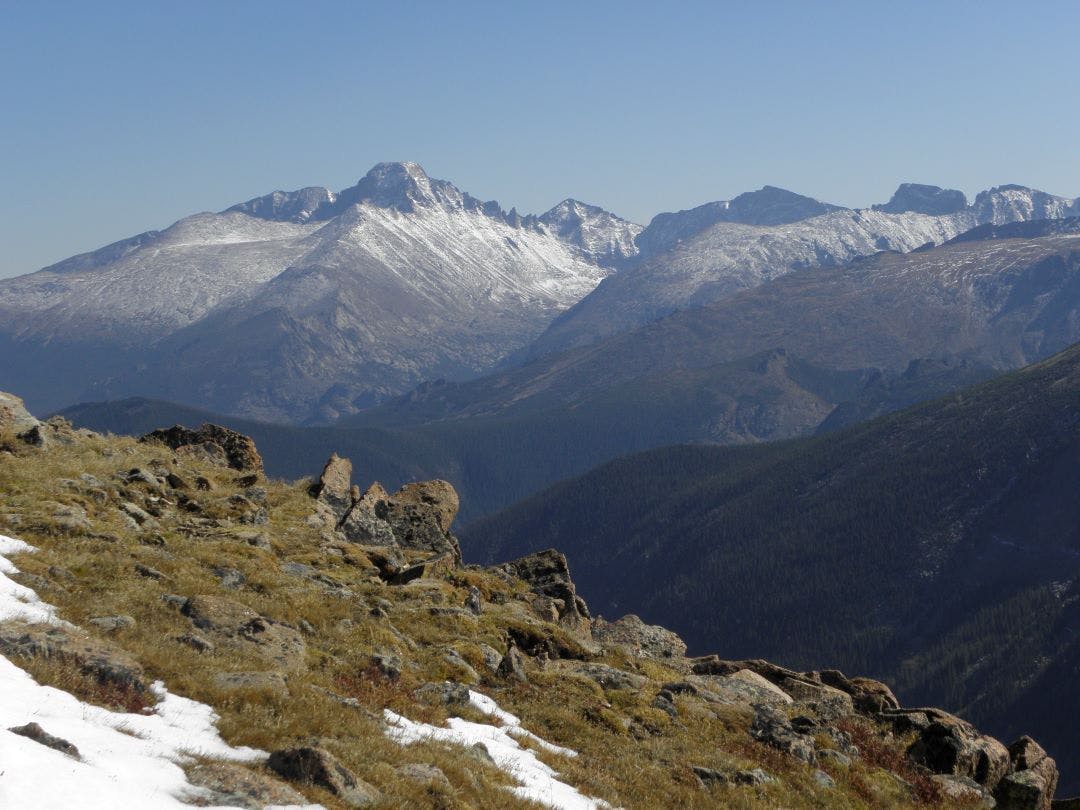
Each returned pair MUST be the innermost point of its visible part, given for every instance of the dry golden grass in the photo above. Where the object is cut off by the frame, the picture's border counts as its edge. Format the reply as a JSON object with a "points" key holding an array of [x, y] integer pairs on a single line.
{"points": [[631, 754]]}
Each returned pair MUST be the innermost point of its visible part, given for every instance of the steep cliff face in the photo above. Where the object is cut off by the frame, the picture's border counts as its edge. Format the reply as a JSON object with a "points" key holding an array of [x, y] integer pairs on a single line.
{"points": [[335, 633]]}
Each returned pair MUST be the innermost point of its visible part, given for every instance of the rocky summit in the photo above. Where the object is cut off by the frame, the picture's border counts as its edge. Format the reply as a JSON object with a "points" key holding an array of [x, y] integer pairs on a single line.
{"points": [[351, 659]]}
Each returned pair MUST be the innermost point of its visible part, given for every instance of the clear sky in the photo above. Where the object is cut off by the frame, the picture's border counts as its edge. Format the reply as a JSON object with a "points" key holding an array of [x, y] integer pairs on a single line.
{"points": [[119, 117]]}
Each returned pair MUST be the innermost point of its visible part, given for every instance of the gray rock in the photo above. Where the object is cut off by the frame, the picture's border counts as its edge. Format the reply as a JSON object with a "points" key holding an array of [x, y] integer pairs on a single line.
{"points": [[113, 623], [512, 666], [272, 682], [472, 601], [238, 450], [13, 415], [334, 486], [101, 660], [447, 693], [148, 572], [772, 727], [610, 677], [317, 766], [230, 578], [36, 733], [823, 779], [387, 664], [136, 513], [196, 642], [423, 774], [949, 745], [963, 789], [233, 785], [836, 757], [548, 574], [640, 639]]}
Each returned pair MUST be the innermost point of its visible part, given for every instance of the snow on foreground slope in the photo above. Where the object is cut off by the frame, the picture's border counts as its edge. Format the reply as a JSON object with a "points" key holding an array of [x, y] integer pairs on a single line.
{"points": [[127, 760], [538, 781]]}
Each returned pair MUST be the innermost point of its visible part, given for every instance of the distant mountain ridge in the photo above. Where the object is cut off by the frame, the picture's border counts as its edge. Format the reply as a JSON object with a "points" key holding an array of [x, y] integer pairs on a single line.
{"points": [[306, 303], [696, 257]]}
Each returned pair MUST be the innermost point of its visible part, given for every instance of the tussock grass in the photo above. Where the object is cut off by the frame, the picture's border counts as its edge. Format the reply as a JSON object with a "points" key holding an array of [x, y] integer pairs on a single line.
{"points": [[631, 754]]}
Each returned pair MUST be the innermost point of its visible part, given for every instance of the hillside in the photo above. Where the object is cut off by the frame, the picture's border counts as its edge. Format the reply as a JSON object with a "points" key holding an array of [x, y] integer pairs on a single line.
{"points": [[175, 627], [937, 548]]}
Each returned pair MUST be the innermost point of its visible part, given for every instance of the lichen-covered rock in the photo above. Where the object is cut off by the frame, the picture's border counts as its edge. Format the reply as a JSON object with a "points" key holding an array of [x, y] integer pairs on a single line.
{"points": [[1034, 779], [233, 623], [14, 417], [239, 450], [439, 498], [772, 727], [548, 574], [233, 785], [102, 661], [639, 639]]}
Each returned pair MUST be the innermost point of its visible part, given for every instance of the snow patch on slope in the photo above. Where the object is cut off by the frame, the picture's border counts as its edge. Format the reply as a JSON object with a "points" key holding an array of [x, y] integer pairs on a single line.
{"points": [[538, 781], [127, 760]]}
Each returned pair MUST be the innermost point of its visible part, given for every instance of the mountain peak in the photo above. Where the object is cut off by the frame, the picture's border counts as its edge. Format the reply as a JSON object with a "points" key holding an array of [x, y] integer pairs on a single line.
{"points": [[924, 199], [772, 205]]}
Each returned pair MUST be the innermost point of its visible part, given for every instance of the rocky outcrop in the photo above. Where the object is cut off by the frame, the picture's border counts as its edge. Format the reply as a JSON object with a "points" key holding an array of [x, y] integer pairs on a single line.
{"points": [[1033, 780], [334, 487], [827, 689], [212, 442], [104, 662], [641, 640], [235, 625], [548, 576], [14, 417], [418, 516]]}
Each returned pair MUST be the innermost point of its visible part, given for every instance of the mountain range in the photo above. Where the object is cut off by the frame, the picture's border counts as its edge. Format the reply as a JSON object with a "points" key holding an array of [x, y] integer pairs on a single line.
{"points": [[311, 305], [302, 303]]}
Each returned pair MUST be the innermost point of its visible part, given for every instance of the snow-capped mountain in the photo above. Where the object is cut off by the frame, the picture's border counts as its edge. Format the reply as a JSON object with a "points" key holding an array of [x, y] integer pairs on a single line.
{"points": [[695, 257], [295, 297]]}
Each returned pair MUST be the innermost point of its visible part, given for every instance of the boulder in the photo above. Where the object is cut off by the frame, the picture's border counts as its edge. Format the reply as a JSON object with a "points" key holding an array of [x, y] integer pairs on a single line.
{"points": [[239, 451], [417, 518], [334, 487], [512, 666], [639, 639], [868, 696], [365, 520], [1034, 779], [36, 733], [609, 677], [548, 574], [14, 417], [231, 785], [314, 765], [949, 745], [271, 682], [102, 661], [772, 727], [241, 627], [438, 498]]}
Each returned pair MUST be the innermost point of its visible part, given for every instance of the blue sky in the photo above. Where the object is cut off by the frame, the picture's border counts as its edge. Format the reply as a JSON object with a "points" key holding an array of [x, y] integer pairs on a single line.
{"points": [[120, 117]]}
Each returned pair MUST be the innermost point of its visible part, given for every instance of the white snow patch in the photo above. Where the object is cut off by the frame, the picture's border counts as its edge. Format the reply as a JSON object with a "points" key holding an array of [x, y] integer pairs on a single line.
{"points": [[538, 781], [127, 760]]}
